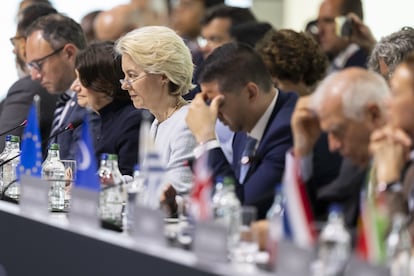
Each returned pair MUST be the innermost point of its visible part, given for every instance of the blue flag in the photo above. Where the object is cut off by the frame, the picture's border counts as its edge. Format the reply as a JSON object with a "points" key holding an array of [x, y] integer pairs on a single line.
{"points": [[31, 154], [86, 174]]}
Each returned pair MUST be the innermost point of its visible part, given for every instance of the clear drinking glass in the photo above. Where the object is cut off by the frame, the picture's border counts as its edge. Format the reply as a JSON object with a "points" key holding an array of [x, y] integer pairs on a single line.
{"points": [[248, 246]]}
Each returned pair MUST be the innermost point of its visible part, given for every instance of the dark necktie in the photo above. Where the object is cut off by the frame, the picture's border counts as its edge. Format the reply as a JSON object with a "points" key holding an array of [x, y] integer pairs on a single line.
{"points": [[60, 106], [247, 157]]}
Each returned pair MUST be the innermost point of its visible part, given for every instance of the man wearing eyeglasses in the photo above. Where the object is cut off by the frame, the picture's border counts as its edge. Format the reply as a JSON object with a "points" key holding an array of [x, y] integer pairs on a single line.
{"points": [[217, 23], [15, 106], [341, 34], [52, 45]]}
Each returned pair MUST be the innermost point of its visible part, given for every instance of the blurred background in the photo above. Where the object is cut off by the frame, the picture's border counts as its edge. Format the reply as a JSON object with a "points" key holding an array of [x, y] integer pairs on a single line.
{"points": [[382, 16]]}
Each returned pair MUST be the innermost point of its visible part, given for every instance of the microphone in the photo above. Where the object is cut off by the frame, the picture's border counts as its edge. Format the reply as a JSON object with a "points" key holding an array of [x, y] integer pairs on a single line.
{"points": [[22, 124], [74, 124], [70, 126]]}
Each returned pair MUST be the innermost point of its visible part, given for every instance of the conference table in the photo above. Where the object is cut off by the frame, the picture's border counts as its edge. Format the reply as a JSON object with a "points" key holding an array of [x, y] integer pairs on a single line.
{"points": [[51, 246]]}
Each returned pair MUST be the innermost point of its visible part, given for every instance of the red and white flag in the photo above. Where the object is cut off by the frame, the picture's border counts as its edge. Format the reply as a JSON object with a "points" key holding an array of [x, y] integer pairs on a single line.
{"points": [[200, 197], [298, 213]]}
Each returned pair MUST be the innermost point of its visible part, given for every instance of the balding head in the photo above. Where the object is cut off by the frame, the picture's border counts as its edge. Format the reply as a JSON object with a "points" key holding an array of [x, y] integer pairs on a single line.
{"points": [[350, 105], [112, 24], [355, 88]]}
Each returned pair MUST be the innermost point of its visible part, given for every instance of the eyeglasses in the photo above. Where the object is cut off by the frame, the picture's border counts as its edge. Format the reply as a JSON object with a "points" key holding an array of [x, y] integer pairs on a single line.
{"points": [[129, 82], [15, 38], [38, 63]]}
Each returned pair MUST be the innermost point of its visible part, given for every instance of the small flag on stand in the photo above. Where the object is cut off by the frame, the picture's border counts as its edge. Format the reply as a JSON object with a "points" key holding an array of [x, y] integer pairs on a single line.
{"points": [[200, 197], [298, 219], [371, 231], [86, 174], [31, 148], [153, 170]]}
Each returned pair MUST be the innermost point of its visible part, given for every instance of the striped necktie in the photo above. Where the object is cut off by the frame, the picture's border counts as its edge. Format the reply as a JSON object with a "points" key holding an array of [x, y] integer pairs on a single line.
{"points": [[247, 157], [60, 106]]}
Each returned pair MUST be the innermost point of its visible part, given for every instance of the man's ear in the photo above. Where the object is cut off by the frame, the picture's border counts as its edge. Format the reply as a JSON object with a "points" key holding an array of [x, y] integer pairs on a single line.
{"points": [[374, 114], [252, 90], [70, 50]]}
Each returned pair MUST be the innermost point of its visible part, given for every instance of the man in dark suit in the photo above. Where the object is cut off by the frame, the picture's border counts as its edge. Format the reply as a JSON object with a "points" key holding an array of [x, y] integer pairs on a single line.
{"points": [[53, 42], [236, 81], [341, 49], [19, 98], [348, 106]]}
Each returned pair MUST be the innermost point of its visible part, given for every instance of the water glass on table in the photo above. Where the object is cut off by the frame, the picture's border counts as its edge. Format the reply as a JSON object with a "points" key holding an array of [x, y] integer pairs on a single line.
{"points": [[247, 248]]}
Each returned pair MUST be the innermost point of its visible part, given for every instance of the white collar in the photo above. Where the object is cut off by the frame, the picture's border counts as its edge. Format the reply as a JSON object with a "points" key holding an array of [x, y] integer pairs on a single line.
{"points": [[259, 128], [341, 59]]}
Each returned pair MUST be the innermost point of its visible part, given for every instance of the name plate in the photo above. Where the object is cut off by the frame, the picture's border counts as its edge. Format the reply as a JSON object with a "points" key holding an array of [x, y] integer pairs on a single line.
{"points": [[293, 260], [357, 267], [84, 208], [148, 225], [34, 196], [210, 242]]}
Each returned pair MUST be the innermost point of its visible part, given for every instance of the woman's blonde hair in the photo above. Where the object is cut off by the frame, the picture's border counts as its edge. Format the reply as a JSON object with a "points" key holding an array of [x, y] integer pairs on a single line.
{"points": [[159, 50]]}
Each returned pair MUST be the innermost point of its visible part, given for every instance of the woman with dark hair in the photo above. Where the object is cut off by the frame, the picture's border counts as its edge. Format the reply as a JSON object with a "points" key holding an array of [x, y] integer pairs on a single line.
{"points": [[98, 70], [295, 61]]}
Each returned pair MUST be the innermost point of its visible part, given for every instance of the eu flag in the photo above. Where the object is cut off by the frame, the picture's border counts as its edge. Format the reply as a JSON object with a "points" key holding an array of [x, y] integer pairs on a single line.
{"points": [[86, 174], [31, 154]]}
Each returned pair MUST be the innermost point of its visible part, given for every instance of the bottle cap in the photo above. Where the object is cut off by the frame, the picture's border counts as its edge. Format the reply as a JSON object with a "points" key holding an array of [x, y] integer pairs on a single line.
{"points": [[15, 139], [8, 137], [112, 156], [54, 146], [335, 207], [278, 189], [228, 181], [104, 156], [137, 167]]}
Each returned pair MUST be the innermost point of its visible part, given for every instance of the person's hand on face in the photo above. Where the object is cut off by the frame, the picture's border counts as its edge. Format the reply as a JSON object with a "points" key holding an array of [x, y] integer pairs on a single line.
{"points": [[305, 127], [201, 117], [389, 148], [361, 33]]}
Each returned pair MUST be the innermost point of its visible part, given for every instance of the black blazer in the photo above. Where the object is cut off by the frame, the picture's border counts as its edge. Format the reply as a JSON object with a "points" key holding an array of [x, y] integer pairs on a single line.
{"points": [[118, 133], [346, 190], [15, 108], [325, 169]]}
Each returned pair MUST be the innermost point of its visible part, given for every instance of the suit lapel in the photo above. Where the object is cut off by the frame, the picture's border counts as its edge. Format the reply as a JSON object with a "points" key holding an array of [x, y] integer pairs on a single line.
{"points": [[261, 149]]}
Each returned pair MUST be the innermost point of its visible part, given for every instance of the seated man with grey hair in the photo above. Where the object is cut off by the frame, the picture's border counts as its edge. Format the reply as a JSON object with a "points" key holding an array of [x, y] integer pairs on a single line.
{"points": [[390, 51], [392, 145], [348, 105]]}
